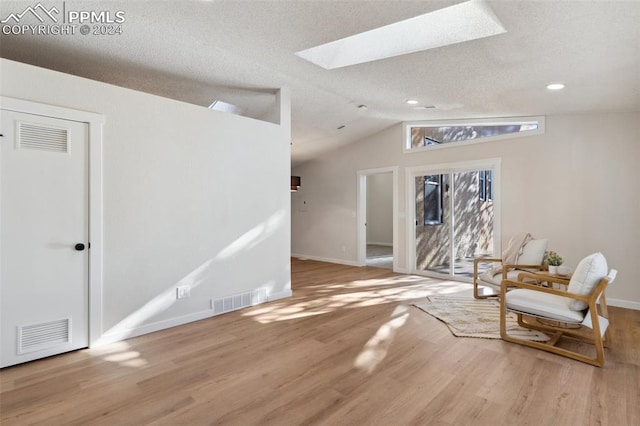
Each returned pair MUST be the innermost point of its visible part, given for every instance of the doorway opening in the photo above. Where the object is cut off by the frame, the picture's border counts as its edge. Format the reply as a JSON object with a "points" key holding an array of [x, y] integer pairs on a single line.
{"points": [[379, 220], [377, 217]]}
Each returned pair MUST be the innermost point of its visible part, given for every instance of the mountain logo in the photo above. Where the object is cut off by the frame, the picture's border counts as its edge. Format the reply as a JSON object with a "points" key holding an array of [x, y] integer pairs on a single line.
{"points": [[39, 11]]}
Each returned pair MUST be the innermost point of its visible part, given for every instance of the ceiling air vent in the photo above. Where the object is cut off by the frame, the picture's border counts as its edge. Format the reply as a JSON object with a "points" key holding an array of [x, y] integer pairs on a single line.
{"points": [[36, 337], [33, 136]]}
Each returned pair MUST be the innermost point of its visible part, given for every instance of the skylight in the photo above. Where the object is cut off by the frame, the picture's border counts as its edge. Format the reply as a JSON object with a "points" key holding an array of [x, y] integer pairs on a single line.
{"points": [[455, 24], [226, 107]]}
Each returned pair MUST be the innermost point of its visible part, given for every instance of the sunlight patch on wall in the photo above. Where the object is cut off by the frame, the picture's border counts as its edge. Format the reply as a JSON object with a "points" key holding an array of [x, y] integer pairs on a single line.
{"points": [[254, 236], [195, 278]]}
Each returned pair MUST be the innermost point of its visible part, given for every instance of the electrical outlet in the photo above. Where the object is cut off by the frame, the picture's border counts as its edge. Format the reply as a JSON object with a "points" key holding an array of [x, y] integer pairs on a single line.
{"points": [[183, 291]]}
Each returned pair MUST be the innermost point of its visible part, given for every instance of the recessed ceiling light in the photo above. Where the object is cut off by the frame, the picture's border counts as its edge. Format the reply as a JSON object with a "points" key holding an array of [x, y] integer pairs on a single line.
{"points": [[462, 22], [424, 107], [363, 106], [555, 86], [412, 102]]}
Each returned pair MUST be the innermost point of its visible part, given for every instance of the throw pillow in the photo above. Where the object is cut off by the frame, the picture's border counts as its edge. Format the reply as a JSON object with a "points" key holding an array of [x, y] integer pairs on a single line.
{"points": [[586, 277], [533, 252]]}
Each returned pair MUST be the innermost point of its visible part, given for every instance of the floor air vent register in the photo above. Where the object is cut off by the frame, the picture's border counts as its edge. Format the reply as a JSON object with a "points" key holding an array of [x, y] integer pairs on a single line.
{"points": [[46, 335]]}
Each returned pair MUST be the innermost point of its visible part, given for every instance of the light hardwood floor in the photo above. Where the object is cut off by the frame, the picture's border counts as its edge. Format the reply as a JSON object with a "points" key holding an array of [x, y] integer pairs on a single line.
{"points": [[347, 349]]}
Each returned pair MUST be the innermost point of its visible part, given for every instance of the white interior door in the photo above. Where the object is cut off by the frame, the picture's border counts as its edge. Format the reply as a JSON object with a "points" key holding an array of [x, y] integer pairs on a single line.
{"points": [[44, 243]]}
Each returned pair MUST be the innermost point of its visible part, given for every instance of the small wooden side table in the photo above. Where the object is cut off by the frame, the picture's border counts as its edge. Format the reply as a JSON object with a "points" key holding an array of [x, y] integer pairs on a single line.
{"points": [[546, 276]]}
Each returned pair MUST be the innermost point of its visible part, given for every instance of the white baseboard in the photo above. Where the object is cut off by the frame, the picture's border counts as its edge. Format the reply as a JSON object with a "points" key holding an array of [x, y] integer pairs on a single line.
{"points": [[119, 335], [325, 259], [116, 336], [619, 303], [380, 244], [342, 262]]}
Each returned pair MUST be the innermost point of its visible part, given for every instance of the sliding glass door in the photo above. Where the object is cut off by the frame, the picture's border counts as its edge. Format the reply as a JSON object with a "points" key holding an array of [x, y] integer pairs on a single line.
{"points": [[454, 220]]}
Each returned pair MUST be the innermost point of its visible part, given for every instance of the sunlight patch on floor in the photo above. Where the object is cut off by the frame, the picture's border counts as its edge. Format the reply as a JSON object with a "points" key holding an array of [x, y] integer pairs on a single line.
{"points": [[331, 297], [120, 353], [376, 348]]}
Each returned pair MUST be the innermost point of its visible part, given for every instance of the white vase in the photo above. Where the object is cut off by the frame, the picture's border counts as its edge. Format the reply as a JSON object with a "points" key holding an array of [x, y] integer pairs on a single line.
{"points": [[553, 269]]}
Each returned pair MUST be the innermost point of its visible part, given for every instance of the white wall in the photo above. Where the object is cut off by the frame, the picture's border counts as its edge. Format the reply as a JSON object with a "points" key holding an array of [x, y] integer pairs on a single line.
{"points": [[577, 185], [380, 209], [191, 196]]}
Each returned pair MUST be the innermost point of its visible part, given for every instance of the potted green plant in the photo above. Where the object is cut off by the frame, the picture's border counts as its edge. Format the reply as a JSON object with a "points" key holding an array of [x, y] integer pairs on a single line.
{"points": [[553, 260]]}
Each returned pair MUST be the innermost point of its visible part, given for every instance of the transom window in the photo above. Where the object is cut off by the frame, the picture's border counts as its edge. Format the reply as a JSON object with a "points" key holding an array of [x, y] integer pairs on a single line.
{"points": [[428, 135]]}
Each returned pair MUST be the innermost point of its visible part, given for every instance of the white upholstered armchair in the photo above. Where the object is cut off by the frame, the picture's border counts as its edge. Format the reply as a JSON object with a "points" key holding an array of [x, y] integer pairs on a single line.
{"points": [[578, 312], [522, 253]]}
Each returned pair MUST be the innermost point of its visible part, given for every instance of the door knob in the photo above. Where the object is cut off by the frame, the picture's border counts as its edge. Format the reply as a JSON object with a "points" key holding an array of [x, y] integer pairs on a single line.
{"points": [[79, 247]]}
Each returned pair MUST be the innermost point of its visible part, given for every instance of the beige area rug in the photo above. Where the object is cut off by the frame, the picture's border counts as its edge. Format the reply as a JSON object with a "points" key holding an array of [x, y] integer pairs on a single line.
{"points": [[475, 318]]}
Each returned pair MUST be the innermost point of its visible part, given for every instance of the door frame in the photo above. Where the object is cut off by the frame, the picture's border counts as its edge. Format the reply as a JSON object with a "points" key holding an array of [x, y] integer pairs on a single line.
{"points": [[95, 123], [410, 185], [361, 213]]}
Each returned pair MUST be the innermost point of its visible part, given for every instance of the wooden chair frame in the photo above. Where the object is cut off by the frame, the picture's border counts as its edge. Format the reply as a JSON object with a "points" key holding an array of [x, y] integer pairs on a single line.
{"points": [[581, 333], [477, 293]]}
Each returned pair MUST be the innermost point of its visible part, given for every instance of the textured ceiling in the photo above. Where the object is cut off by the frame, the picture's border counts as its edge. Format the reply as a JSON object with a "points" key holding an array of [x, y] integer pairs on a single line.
{"points": [[242, 51]]}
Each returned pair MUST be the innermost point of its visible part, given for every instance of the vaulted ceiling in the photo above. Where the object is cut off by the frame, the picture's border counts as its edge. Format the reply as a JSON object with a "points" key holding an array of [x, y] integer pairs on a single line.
{"points": [[242, 51]]}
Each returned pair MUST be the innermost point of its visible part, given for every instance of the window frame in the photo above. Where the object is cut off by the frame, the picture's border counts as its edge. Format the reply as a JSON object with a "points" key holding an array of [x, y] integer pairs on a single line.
{"points": [[408, 125], [438, 185], [485, 183]]}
